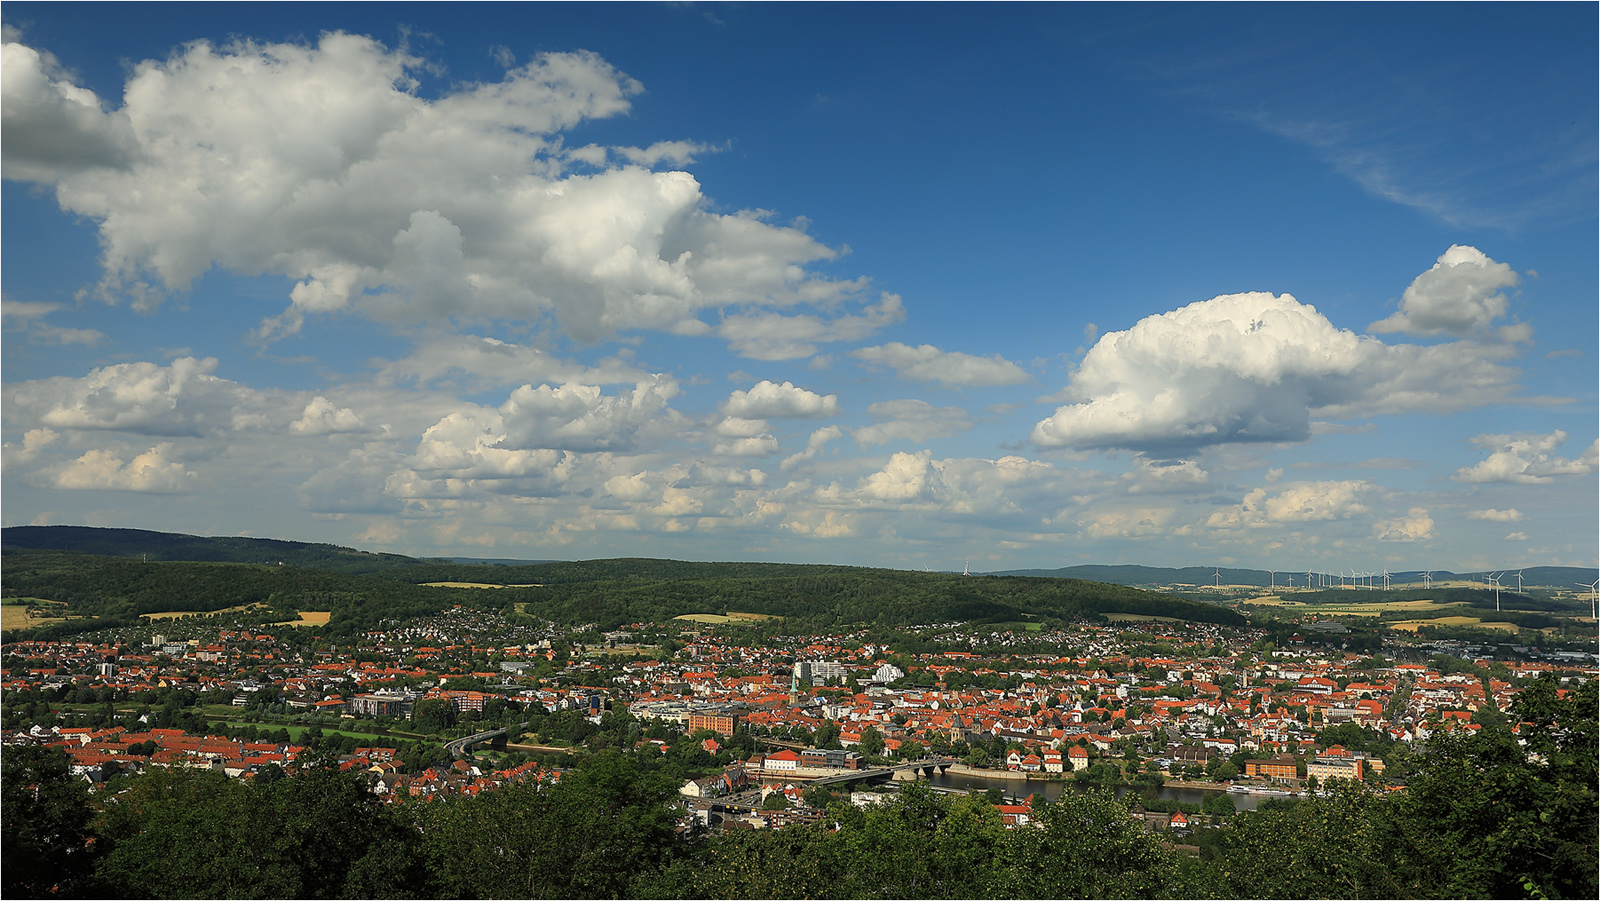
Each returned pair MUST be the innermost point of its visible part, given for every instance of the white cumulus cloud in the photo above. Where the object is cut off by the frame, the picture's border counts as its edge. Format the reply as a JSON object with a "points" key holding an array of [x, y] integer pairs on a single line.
{"points": [[581, 418], [906, 477], [321, 417], [1295, 503], [926, 363], [770, 400], [183, 398], [150, 472], [1463, 293], [1526, 459], [322, 163], [1416, 525], [1254, 367]]}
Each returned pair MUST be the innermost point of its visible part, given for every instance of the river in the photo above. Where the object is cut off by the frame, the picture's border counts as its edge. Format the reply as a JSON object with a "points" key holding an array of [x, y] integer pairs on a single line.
{"points": [[1052, 789]]}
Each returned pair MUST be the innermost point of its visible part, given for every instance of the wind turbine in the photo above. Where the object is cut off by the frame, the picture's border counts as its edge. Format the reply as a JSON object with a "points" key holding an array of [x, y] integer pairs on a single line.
{"points": [[1519, 581], [1386, 578], [1427, 579], [966, 569], [1308, 578], [1495, 581], [1218, 575], [1272, 579]]}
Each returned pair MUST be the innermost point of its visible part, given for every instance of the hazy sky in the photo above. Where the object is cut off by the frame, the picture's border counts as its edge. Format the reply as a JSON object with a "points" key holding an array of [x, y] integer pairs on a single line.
{"points": [[1289, 287]]}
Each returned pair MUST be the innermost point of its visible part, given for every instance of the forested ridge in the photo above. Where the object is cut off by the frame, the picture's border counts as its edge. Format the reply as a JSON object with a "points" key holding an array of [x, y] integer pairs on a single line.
{"points": [[148, 545], [607, 592], [1484, 817]]}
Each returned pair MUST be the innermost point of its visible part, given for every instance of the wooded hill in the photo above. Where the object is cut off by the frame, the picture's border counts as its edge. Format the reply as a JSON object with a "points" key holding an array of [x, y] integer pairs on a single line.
{"points": [[148, 545], [115, 590]]}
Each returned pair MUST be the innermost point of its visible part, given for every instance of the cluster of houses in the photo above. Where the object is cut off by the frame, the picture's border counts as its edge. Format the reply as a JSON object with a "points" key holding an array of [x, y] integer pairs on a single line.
{"points": [[1100, 691]]}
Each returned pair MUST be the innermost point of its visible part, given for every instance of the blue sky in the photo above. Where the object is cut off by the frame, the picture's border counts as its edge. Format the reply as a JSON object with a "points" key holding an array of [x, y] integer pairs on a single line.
{"points": [[1027, 286]]}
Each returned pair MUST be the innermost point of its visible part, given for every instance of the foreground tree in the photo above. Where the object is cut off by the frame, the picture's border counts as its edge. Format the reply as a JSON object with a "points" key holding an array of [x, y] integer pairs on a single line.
{"points": [[45, 818]]}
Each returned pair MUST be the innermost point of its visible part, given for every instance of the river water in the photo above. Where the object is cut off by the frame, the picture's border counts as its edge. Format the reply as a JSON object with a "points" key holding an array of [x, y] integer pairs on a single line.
{"points": [[1052, 789]]}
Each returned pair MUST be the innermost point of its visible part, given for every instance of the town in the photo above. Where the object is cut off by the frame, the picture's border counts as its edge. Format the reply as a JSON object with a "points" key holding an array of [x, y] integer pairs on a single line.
{"points": [[1145, 704]]}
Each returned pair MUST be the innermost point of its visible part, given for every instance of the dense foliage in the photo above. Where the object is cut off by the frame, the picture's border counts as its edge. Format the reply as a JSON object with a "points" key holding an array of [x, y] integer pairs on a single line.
{"points": [[118, 589], [607, 592], [1484, 817]]}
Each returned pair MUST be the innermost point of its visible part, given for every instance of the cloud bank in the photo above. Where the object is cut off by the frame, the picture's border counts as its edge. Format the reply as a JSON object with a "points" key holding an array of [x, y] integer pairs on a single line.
{"points": [[324, 163]]}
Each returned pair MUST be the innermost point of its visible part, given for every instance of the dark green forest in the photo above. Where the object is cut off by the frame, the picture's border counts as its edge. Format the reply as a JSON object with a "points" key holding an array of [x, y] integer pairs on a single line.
{"points": [[115, 590], [1483, 817], [149, 545]]}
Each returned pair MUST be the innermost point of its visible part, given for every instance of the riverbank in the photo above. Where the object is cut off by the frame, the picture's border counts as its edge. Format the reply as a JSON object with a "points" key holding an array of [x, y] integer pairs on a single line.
{"points": [[961, 769]]}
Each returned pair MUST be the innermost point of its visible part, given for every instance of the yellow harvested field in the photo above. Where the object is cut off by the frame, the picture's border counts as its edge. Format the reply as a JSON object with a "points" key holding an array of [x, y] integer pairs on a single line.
{"points": [[1351, 609], [718, 618], [1411, 625], [18, 617], [309, 618], [477, 585]]}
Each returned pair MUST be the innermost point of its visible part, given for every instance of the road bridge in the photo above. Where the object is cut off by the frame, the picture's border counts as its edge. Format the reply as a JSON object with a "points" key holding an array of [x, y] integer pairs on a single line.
{"points": [[904, 772], [461, 747]]}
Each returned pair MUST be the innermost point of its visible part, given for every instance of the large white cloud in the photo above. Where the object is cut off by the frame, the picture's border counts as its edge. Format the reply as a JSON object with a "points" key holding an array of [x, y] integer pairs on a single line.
{"points": [[1298, 502], [926, 363], [182, 398], [1416, 525], [1526, 459], [770, 400], [150, 472], [49, 126], [905, 478], [581, 418], [540, 432], [1463, 293], [322, 417], [1255, 367], [323, 164]]}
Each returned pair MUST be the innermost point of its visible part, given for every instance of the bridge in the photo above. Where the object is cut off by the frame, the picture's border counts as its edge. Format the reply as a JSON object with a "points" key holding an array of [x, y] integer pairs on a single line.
{"points": [[904, 772], [463, 746]]}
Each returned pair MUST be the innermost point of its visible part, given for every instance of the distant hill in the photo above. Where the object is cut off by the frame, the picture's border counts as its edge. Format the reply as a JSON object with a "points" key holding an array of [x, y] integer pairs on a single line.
{"points": [[169, 546], [110, 576], [495, 561], [1564, 577]]}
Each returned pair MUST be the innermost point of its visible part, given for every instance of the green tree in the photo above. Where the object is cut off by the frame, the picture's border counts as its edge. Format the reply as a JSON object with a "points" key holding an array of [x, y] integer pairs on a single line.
{"points": [[1086, 846], [46, 817], [871, 741], [1483, 816]]}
